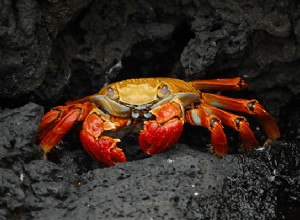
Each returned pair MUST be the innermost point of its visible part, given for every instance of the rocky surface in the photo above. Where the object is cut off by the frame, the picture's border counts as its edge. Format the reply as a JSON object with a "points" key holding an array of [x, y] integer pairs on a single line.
{"points": [[53, 51], [182, 183]]}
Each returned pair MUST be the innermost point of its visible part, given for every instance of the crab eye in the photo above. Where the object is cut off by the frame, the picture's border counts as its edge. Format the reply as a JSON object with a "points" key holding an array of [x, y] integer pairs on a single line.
{"points": [[111, 93], [164, 91]]}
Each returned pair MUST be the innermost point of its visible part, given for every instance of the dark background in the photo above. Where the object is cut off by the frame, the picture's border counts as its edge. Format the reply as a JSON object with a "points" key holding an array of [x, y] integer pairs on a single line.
{"points": [[53, 51]]}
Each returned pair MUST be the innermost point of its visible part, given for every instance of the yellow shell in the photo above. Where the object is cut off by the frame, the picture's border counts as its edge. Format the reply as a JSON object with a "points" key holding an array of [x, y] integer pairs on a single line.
{"points": [[146, 90]]}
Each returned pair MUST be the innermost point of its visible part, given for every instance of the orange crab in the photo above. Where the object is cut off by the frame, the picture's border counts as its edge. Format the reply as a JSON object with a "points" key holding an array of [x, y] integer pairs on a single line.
{"points": [[164, 104]]}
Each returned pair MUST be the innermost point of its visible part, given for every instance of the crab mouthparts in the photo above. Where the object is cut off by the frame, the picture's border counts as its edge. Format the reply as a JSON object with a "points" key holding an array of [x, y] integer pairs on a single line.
{"points": [[136, 114], [141, 111]]}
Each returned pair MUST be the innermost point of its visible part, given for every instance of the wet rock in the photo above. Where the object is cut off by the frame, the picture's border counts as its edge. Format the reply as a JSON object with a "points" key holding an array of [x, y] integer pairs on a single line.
{"points": [[258, 183]]}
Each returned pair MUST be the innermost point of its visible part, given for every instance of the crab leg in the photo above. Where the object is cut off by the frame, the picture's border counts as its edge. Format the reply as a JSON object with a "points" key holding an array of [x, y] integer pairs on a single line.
{"points": [[162, 133], [246, 106], [232, 84], [238, 123], [58, 121], [201, 117]]}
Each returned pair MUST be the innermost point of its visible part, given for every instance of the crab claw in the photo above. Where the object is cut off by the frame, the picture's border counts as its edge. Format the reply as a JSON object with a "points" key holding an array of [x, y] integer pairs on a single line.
{"points": [[162, 133], [104, 149], [101, 148], [155, 138]]}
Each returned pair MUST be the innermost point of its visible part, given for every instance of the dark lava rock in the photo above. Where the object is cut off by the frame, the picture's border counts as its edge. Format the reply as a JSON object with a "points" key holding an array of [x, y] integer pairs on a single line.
{"points": [[23, 48], [18, 131], [53, 51], [182, 183]]}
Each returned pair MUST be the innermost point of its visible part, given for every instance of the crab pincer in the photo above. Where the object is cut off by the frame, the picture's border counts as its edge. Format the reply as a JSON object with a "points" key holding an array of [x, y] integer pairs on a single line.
{"points": [[101, 148], [162, 133]]}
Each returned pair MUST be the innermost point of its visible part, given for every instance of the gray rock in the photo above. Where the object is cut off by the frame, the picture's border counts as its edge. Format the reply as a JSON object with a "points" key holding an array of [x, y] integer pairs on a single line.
{"points": [[53, 51], [18, 128]]}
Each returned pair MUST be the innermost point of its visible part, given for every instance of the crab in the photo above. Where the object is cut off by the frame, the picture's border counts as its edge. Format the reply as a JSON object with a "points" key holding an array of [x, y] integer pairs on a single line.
{"points": [[163, 105]]}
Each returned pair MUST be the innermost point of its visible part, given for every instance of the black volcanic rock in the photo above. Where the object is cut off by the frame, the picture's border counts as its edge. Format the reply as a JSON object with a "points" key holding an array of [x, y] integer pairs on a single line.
{"points": [[53, 51]]}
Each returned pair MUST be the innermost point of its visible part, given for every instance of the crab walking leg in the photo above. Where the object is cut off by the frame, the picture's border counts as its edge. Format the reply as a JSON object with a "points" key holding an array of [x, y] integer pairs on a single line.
{"points": [[201, 117], [246, 106], [236, 122], [58, 121], [162, 133], [232, 84], [102, 148]]}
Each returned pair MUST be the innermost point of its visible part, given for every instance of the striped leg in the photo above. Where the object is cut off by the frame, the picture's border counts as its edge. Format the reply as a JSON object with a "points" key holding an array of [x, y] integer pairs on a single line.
{"points": [[236, 122], [251, 107], [201, 117]]}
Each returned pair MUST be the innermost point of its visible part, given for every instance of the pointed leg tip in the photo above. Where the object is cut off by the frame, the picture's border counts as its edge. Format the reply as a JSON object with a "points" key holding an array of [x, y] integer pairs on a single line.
{"points": [[267, 142], [118, 156], [45, 156], [220, 152]]}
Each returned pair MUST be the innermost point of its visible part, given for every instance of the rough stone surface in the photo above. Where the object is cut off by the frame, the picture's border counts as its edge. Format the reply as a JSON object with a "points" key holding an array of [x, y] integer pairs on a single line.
{"points": [[18, 131], [52, 51], [23, 53]]}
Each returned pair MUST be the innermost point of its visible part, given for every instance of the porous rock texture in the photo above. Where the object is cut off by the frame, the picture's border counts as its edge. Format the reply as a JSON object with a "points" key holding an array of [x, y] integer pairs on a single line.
{"points": [[53, 51]]}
